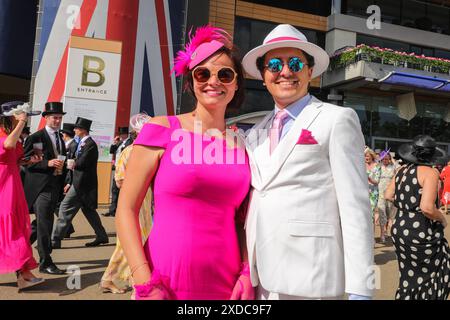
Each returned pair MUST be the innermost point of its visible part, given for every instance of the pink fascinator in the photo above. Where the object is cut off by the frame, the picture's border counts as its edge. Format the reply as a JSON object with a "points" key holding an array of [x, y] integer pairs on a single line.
{"points": [[204, 43]]}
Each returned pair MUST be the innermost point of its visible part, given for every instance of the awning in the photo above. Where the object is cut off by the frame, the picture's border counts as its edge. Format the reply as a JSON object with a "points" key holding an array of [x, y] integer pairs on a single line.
{"points": [[415, 80]]}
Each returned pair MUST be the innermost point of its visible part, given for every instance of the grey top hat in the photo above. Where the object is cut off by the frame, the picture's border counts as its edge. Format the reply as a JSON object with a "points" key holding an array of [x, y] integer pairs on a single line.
{"points": [[422, 151]]}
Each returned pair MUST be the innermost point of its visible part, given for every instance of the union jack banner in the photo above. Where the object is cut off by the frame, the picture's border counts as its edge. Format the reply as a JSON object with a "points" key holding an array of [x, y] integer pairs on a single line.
{"points": [[150, 32]]}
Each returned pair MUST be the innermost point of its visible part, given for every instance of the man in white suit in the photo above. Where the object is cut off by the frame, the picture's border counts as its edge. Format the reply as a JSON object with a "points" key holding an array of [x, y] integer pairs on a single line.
{"points": [[309, 228]]}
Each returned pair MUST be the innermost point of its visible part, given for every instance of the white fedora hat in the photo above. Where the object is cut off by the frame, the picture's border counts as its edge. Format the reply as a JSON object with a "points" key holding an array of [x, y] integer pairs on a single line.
{"points": [[285, 35]]}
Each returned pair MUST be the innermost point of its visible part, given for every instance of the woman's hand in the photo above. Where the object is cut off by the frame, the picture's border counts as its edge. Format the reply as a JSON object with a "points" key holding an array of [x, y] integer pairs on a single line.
{"points": [[156, 294], [21, 116], [243, 289]]}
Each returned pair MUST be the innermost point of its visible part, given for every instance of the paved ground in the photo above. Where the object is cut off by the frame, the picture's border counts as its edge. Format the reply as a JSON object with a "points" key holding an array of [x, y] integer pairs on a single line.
{"points": [[92, 263]]}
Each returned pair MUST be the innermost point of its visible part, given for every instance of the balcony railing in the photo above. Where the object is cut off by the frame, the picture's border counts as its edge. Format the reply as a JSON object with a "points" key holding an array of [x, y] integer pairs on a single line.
{"points": [[349, 55]]}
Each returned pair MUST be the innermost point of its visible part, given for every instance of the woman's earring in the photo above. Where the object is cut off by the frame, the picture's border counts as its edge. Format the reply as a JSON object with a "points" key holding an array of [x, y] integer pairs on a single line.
{"points": [[264, 84]]}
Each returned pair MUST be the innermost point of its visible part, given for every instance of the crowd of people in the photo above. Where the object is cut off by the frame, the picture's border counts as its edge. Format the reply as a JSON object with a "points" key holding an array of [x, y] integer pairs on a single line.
{"points": [[293, 220]]}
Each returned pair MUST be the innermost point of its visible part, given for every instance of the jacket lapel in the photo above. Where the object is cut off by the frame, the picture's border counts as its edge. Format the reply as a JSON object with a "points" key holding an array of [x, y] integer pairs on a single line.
{"points": [[256, 137], [287, 144]]}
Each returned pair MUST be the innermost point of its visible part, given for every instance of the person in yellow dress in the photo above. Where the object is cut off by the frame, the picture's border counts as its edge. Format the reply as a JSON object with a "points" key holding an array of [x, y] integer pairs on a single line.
{"points": [[118, 269]]}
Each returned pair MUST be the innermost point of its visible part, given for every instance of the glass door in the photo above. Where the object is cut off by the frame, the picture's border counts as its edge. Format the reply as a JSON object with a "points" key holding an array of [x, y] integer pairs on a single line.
{"points": [[383, 143]]}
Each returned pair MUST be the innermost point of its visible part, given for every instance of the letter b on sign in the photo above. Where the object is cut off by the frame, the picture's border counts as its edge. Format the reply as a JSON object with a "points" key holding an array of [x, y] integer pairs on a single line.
{"points": [[95, 66]]}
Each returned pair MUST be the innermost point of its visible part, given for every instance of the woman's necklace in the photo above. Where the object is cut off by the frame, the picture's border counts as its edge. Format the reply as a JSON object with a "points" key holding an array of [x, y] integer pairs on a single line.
{"points": [[199, 121]]}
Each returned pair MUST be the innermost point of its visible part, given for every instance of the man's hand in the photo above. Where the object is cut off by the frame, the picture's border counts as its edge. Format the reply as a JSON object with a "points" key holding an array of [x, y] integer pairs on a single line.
{"points": [[32, 160], [66, 188], [55, 163]]}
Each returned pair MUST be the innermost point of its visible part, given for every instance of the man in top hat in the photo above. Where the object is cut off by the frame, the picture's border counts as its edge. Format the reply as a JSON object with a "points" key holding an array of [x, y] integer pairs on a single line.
{"points": [[71, 143], [309, 229], [25, 134], [43, 183], [123, 140], [83, 191]]}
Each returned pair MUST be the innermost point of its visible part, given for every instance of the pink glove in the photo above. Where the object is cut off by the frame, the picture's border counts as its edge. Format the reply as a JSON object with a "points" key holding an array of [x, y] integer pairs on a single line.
{"points": [[243, 289]]}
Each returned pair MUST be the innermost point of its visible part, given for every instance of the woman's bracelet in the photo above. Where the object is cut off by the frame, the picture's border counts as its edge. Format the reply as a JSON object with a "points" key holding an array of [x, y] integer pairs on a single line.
{"points": [[133, 270]]}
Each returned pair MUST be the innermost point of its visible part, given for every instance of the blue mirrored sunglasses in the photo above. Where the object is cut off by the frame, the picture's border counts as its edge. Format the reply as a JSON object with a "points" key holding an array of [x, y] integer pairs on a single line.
{"points": [[276, 65]]}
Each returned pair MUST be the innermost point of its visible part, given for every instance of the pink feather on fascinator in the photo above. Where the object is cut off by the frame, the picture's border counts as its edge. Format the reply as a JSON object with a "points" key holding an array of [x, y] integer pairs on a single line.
{"points": [[205, 42]]}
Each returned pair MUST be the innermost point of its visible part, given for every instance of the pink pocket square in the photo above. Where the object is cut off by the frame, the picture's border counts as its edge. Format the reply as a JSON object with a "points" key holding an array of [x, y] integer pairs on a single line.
{"points": [[306, 138]]}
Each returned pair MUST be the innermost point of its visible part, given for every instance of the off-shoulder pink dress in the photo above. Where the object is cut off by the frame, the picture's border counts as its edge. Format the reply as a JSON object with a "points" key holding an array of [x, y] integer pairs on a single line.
{"points": [[194, 240], [15, 228]]}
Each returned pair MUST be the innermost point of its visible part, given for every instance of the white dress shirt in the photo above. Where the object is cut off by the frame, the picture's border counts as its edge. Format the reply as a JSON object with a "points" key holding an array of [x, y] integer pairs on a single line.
{"points": [[51, 133]]}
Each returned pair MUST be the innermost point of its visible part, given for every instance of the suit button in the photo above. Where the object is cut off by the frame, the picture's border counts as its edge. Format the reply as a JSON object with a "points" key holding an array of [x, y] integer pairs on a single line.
{"points": [[263, 194]]}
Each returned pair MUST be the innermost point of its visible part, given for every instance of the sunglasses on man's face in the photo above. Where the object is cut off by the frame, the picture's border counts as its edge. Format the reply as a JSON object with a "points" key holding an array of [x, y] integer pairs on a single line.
{"points": [[226, 75], [276, 64]]}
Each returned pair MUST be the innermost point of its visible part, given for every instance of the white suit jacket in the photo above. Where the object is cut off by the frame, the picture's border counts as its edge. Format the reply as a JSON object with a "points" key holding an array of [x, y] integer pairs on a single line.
{"points": [[309, 225]]}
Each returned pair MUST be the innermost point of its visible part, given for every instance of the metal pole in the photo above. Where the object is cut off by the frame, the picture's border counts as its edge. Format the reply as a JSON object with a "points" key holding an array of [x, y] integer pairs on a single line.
{"points": [[183, 42], [37, 44], [336, 6]]}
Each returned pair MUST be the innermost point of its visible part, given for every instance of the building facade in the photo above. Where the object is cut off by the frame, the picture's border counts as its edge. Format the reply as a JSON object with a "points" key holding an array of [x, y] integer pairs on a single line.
{"points": [[390, 60]]}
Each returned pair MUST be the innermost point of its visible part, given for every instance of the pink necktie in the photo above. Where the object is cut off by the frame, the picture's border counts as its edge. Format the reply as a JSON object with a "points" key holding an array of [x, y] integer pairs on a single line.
{"points": [[275, 131]]}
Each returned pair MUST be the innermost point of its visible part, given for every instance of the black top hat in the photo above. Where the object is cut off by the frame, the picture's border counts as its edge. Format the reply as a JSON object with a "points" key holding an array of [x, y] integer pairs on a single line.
{"points": [[422, 151], [123, 130], [52, 108], [7, 109], [83, 123], [68, 129]]}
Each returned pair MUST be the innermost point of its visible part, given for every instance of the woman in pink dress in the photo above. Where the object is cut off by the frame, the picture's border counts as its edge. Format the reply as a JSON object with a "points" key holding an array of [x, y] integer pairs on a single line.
{"points": [[200, 180], [16, 254]]}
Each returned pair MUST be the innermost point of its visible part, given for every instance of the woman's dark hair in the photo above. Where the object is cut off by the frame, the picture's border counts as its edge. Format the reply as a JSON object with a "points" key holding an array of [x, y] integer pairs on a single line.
{"points": [[6, 124], [233, 54], [260, 61]]}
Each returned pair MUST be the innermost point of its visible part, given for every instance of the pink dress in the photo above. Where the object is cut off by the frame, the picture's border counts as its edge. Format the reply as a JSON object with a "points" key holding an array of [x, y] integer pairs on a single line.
{"points": [[194, 241], [15, 228]]}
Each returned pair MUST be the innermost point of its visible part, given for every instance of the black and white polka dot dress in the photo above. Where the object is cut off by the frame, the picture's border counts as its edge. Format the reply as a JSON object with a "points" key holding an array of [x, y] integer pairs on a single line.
{"points": [[422, 251]]}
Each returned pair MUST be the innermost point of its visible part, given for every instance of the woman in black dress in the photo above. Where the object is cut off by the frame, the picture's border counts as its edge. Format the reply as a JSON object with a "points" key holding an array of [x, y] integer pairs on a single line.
{"points": [[418, 230]]}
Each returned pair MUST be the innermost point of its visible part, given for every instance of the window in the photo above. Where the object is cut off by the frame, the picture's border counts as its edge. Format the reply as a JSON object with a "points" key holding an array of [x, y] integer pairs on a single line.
{"points": [[379, 118], [390, 11], [434, 17], [382, 43], [441, 18], [414, 15], [442, 54], [320, 8], [357, 7], [363, 107]]}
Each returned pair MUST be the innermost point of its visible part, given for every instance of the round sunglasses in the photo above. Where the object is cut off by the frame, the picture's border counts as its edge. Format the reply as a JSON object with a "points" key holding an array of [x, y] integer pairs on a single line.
{"points": [[276, 64], [226, 75]]}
